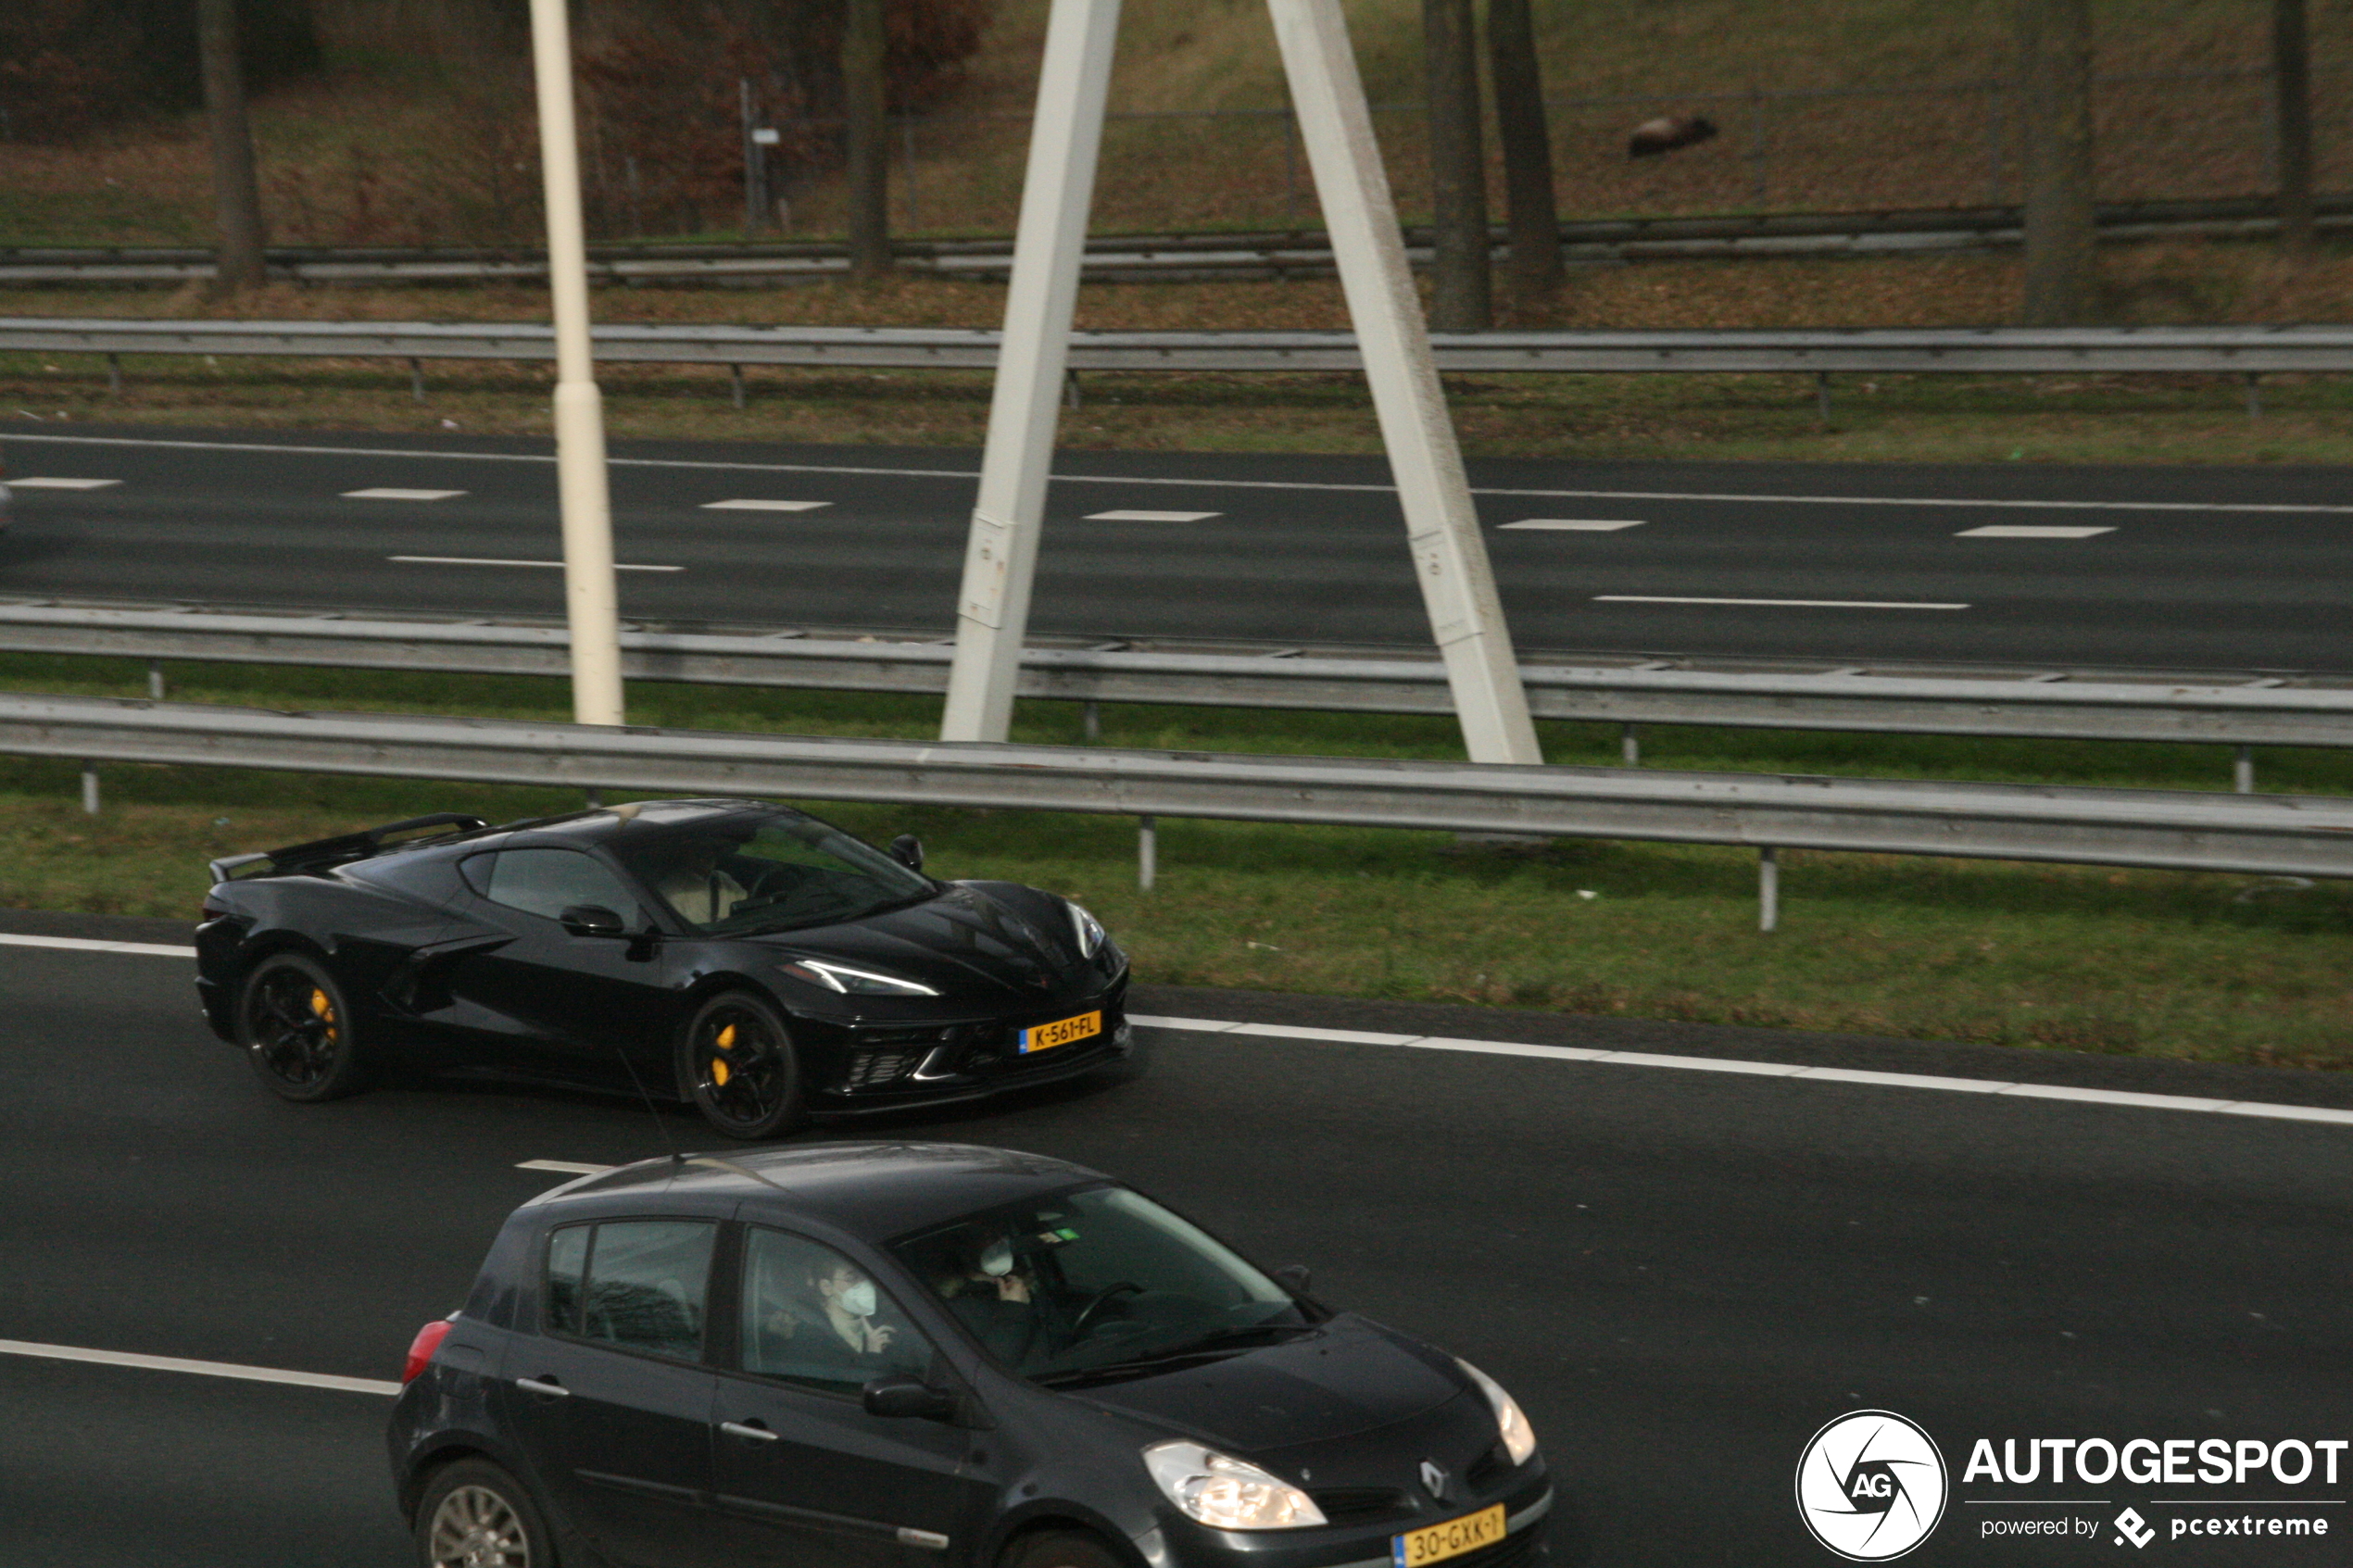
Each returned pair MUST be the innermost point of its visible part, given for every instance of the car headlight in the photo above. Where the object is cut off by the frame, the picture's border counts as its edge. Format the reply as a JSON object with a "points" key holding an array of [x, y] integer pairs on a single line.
{"points": [[1227, 1494], [856, 982], [1511, 1422], [1089, 929]]}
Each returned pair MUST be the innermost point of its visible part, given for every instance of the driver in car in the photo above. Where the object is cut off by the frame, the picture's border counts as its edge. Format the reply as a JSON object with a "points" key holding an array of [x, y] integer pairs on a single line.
{"points": [[690, 879]]}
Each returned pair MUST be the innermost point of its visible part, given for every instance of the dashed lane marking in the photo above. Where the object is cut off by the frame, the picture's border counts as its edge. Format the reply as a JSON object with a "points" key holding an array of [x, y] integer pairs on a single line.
{"points": [[51, 481], [87, 944], [2029, 530], [201, 1369], [1577, 524], [1132, 515], [394, 492], [1758, 1069], [485, 560], [1770, 604], [2290, 508], [563, 1167], [752, 504]]}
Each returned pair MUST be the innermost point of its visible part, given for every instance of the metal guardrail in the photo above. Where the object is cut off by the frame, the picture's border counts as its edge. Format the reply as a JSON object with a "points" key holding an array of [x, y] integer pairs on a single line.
{"points": [[2281, 836], [2211, 711], [1154, 256], [2013, 350]]}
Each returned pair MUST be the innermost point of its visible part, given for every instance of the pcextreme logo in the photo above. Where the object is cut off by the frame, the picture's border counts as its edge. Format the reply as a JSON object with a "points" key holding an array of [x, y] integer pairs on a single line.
{"points": [[1871, 1486]]}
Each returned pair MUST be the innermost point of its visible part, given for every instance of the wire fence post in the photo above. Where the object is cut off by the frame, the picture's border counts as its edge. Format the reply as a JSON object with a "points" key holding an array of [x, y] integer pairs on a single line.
{"points": [[1769, 889], [1147, 852], [89, 788]]}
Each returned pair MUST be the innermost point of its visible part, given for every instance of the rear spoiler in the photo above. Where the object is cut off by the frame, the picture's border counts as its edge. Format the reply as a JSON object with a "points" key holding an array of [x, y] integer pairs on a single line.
{"points": [[321, 854]]}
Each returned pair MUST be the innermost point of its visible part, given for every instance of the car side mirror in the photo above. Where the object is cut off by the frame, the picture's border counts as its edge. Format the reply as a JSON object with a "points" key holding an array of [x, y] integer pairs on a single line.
{"points": [[592, 920], [904, 1396], [1293, 1278], [908, 850]]}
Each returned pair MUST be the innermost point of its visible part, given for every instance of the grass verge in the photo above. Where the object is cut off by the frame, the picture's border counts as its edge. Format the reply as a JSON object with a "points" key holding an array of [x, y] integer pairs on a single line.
{"points": [[2212, 968]]}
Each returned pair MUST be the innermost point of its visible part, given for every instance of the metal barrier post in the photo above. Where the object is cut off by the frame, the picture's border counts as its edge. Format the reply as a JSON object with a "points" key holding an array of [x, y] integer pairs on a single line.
{"points": [[155, 680], [89, 788], [1769, 889], [2242, 771], [1147, 852]]}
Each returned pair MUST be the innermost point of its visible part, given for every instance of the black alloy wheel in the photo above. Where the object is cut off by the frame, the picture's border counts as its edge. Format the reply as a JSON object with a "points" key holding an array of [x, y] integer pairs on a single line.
{"points": [[475, 1515], [297, 1031], [736, 1062], [1057, 1548]]}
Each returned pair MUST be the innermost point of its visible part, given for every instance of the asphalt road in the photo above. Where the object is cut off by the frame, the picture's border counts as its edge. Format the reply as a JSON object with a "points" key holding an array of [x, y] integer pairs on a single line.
{"points": [[1680, 1275], [2206, 567]]}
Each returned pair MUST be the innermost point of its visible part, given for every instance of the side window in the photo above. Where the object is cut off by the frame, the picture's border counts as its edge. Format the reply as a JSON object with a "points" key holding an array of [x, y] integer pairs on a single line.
{"points": [[812, 1317], [641, 1284], [548, 882]]}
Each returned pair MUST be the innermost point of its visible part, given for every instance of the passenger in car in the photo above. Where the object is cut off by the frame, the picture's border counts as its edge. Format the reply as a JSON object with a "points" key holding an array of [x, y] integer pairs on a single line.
{"points": [[693, 885]]}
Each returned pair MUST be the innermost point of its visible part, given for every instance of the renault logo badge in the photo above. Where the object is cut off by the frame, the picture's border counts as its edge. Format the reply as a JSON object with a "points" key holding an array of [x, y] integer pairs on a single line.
{"points": [[1434, 1480]]}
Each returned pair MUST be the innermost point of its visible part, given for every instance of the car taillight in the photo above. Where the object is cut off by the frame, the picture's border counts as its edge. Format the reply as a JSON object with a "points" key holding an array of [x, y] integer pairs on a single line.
{"points": [[209, 914], [420, 1349]]}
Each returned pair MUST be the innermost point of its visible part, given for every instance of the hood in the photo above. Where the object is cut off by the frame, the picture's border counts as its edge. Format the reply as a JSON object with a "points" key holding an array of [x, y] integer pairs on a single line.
{"points": [[1351, 1378], [966, 935]]}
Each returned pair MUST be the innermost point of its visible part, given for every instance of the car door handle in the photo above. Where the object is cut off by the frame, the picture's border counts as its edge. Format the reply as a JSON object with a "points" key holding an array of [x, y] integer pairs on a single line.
{"points": [[543, 1385], [753, 1430]]}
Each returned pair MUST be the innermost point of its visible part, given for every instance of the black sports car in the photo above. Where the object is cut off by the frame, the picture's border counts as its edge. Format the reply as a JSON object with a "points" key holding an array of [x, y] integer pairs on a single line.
{"points": [[742, 956]]}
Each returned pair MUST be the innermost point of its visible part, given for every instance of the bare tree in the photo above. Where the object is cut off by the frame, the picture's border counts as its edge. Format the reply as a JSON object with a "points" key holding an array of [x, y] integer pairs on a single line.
{"points": [[1530, 212], [1457, 170], [235, 193], [2292, 103], [863, 105], [2055, 75]]}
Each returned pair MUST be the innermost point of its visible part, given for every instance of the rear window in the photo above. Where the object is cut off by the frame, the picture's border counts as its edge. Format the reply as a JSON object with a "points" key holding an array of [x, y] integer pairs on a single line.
{"points": [[636, 1285]]}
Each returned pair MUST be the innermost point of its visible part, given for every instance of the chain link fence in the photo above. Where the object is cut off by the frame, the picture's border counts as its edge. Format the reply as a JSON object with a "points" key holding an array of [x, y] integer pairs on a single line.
{"points": [[2176, 135]]}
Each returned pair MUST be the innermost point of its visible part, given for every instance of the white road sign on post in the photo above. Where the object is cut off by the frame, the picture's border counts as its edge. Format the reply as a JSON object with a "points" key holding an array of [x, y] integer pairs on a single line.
{"points": [[591, 605], [1450, 557]]}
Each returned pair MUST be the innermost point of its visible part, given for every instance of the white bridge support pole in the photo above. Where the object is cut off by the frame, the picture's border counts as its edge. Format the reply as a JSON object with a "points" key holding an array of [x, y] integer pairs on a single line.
{"points": [[1000, 559], [591, 606], [1450, 558]]}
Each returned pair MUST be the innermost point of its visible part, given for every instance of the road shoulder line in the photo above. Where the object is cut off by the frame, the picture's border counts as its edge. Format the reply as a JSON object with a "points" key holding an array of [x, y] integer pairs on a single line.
{"points": [[91, 945], [2120, 1098]]}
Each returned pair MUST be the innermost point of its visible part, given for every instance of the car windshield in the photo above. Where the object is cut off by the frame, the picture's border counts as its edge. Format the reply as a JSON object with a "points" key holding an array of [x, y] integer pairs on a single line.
{"points": [[740, 875], [1094, 1284]]}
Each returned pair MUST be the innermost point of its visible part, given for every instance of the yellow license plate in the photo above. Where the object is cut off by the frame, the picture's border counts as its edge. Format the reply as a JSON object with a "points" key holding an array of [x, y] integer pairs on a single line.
{"points": [[1453, 1538], [1046, 1036]]}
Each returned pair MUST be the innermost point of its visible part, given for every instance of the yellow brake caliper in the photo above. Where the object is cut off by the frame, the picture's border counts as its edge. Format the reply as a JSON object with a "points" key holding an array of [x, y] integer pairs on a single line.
{"points": [[323, 1008], [725, 1042]]}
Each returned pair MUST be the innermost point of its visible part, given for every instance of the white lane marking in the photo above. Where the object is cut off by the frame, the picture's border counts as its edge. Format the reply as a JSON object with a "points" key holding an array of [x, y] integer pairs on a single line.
{"points": [[750, 504], [201, 1369], [714, 466], [394, 492], [1787, 604], [2029, 530], [564, 1167], [1577, 524], [1761, 1069], [53, 483], [88, 945], [1133, 516], [483, 560]]}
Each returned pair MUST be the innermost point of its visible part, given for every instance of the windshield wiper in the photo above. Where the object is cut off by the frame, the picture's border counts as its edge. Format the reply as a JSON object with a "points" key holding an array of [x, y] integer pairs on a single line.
{"points": [[1217, 1344]]}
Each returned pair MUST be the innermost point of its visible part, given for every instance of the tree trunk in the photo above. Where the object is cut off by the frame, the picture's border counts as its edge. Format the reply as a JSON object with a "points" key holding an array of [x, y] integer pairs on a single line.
{"points": [[1457, 170], [236, 197], [2291, 102], [2055, 79], [862, 84], [1530, 212]]}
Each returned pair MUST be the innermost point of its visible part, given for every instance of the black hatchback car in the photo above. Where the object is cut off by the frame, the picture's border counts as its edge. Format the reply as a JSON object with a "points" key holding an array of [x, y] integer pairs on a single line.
{"points": [[904, 1355], [741, 956]]}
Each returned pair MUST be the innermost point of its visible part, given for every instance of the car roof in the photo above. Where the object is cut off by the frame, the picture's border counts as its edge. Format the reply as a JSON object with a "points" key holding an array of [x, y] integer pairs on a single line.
{"points": [[871, 1190], [600, 824]]}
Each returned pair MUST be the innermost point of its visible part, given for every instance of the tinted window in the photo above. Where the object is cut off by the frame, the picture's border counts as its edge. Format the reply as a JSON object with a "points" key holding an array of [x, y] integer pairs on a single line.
{"points": [[806, 1319], [548, 882], [750, 873], [1092, 1278], [638, 1283]]}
